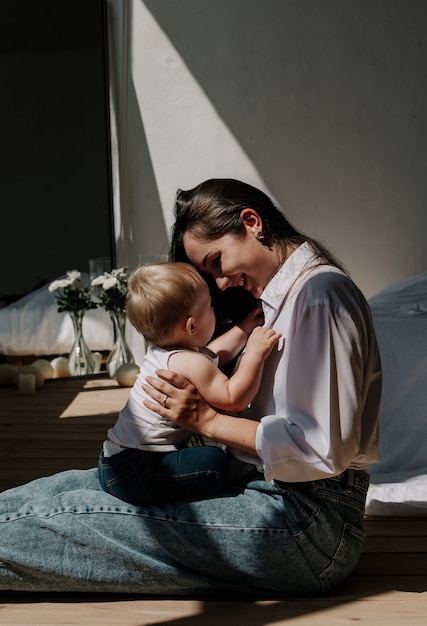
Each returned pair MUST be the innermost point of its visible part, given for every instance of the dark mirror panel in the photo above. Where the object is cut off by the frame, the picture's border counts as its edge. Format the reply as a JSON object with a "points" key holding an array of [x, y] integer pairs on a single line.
{"points": [[55, 169]]}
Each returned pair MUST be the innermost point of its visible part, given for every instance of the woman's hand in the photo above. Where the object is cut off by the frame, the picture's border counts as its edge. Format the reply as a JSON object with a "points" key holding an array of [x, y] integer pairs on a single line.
{"points": [[176, 399]]}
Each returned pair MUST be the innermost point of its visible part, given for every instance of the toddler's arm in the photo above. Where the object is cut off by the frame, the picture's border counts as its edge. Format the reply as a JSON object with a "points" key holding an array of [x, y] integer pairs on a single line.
{"points": [[228, 345], [228, 394]]}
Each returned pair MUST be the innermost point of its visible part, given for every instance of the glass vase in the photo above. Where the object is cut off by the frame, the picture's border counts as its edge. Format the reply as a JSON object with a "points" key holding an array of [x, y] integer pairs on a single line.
{"points": [[80, 360], [120, 353]]}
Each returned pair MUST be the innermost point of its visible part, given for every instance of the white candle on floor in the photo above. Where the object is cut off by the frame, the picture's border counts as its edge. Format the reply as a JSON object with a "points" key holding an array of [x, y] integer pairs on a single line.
{"points": [[97, 357], [26, 384]]}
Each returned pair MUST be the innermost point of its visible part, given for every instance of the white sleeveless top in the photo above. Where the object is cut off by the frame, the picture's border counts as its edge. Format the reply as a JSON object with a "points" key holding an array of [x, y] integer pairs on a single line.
{"points": [[137, 426]]}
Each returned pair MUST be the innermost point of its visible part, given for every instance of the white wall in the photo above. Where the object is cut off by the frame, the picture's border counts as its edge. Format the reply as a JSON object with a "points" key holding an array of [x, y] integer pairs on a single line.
{"points": [[322, 103]]}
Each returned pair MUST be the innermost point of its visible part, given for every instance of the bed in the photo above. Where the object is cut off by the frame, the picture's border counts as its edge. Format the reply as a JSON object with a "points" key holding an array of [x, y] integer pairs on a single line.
{"points": [[398, 487], [33, 326], [399, 482]]}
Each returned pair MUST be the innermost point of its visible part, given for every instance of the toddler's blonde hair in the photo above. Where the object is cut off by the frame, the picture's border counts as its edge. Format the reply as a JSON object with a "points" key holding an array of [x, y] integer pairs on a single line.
{"points": [[161, 295]]}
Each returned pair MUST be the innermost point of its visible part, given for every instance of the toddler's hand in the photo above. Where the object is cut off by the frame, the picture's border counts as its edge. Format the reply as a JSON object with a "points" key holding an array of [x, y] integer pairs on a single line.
{"points": [[262, 341]]}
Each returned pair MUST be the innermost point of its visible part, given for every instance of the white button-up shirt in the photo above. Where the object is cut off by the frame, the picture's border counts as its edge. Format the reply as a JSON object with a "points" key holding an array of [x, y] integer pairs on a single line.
{"points": [[319, 399]]}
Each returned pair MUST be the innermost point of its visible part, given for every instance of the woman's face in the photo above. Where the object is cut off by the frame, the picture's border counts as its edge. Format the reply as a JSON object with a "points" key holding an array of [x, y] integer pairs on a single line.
{"points": [[234, 261]]}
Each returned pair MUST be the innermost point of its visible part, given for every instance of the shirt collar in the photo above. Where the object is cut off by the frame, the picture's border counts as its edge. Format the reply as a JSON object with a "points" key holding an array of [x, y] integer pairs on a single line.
{"points": [[287, 274]]}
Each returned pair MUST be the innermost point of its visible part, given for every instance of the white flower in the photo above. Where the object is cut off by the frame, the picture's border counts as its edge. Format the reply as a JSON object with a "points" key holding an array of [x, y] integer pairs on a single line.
{"points": [[122, 272], [98, 281], [113, 290], [110, 283], [73, 295], [58, 284], [73, 281]]}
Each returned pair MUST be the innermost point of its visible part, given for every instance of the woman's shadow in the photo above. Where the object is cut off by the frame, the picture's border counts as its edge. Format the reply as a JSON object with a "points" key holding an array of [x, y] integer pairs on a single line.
{"points": [[262, 612]]}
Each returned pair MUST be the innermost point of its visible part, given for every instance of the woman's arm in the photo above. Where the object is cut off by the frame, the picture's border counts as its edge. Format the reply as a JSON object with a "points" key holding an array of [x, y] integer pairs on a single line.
{"points": [[178, 400]]}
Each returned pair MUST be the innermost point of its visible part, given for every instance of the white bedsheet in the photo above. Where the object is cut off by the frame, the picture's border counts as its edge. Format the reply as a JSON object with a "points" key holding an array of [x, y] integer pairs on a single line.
{"points": [[406, 498], [32, 325]]}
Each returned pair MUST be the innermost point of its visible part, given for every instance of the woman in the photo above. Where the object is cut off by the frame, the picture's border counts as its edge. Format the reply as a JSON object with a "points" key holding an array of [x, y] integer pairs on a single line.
{"points": [[312, 427], [292, 523]]}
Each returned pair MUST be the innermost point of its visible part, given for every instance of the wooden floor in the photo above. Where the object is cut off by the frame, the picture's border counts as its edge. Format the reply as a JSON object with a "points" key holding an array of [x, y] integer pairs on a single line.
{"points": [[62, 426], [364, 602]]}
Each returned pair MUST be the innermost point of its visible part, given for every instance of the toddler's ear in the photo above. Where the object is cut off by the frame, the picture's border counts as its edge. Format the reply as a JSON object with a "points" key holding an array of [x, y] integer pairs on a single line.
{"points": [[190, 326]]}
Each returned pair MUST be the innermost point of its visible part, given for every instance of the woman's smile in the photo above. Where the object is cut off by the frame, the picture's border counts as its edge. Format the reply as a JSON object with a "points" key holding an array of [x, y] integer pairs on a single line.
{"points": [[233, 261]]}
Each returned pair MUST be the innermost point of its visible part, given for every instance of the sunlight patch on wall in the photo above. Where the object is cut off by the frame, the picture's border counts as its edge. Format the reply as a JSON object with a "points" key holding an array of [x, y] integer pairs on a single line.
{"points": [[187, 140]]}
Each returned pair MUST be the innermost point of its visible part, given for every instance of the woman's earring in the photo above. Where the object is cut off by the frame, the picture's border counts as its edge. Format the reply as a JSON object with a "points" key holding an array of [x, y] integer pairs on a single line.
{"points": [[263, 240]]}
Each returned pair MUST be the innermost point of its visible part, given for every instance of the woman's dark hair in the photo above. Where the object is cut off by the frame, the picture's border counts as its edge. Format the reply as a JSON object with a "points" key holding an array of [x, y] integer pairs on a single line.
{"points": [[213, 208]]}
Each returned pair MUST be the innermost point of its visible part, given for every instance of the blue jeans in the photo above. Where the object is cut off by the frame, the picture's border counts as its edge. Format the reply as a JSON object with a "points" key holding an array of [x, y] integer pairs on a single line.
{"points": [[144, 477], [64, 533]]}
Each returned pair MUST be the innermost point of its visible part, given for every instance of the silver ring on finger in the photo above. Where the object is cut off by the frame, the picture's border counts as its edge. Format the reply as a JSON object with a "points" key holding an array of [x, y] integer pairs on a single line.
{"points": [[164, 401]]}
